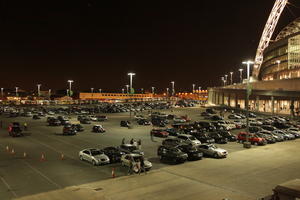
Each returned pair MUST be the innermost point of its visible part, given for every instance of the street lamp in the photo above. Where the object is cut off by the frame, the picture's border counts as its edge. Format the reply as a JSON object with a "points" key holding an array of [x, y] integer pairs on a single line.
{"points": [[131, 75], [226, 79], [100, 90], [70, 87], [167, 91], [127, 86], [194, 88], [231, 73], [173, 87], [142, 90], [199, 89], [247, 144], [49, 93], [123, 90], [39, 89], [223, 80], [241, 75], [153, 90], [17, 91], [2, 94], [92, 90]]}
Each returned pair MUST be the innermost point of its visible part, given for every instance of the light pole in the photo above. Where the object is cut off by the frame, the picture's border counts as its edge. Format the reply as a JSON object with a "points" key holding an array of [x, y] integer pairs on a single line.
{"points": [[167, 91], [70, 87], [2, 94], [39, 89], [127, 88], [123, 90], [49, 93], [231, 81], [247, 144], [152, 89], [130, 83], [223, 80], [241, 75], [142, 90], [193, 88], [226, 79], [278, 63], [17, 91], [173, 87], [100, 90], [92, 90], [199, 89]]}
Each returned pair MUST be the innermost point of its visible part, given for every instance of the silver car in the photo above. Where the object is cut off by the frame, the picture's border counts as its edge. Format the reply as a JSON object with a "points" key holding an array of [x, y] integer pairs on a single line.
{"points": [[212, 150], [94, 156], [133, 159]]}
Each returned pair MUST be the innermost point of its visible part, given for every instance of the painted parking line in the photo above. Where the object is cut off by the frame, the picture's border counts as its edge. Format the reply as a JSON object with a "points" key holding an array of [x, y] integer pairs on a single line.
{"points": [[8, 187]]}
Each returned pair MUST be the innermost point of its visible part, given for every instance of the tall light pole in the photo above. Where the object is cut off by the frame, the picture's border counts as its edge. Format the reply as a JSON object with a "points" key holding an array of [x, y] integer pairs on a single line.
{"points": [[127, 88], [226, 79], [100, 90], [241, 75], [17, 91], [130, 83], [247, 144], [152, 89], [231, 81], [167, 91], [2, 94], [49, 93], [278, 63], [223, 80], [193, 87], [39, 89], [92, 90], [70, 87], [173, 87], [123, 90], [142, 90], [199, 89]]}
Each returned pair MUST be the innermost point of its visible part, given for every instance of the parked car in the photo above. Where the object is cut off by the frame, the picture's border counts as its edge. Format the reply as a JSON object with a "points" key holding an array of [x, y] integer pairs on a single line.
{"points": [[132, 159], [130, 148], [212, 150], [94, 156], [189, 139], [159, 133], [211, 111], [101, 118], [252, 138], [113, 153], [216, 118], [69, 130], [234, 116], [54, 122], [285, 134], [294, 131], [78, 127], [85, 121], [171, 153], [203, 137], [143, 122], [172, 142], [98, 129], [179, 120], [15, 130], [125, 123], [192, 152], [35, 117], [269, 138], [206, 114], [219, 139], [226, 134]]}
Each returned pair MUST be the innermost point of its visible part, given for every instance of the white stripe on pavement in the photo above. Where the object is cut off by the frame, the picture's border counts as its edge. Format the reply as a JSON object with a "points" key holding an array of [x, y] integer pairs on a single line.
{"points": [[8, 187]]}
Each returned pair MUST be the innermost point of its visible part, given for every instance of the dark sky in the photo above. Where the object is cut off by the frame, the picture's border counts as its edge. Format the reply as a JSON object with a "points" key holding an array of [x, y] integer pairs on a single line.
{"points": [[96, 42]]}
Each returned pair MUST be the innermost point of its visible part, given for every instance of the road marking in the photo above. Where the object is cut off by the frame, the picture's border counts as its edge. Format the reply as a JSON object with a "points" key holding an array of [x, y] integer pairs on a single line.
{"points": [[8, 187], [43, 175]]}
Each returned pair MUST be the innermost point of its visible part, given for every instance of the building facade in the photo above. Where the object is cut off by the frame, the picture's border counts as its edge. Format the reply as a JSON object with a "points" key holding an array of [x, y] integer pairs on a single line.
{"points": [[277, 88]]}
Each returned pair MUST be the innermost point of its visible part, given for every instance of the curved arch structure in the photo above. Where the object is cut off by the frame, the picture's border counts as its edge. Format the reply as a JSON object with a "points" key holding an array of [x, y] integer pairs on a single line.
{"points": [[290, 29], [267, 34]]}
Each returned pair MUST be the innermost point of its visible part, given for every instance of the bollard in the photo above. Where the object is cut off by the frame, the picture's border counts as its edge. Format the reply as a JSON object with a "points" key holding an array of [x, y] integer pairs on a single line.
{"points": [[113, 173], [42, 157], [62, 156], [13, 152]]}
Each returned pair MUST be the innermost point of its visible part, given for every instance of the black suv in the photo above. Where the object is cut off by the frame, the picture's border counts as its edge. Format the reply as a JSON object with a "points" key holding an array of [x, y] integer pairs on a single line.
{"points": [[192, 152], [69, 130], [113, 153], [219, 139], [54, 122], [15, 130], [125, 123], [226, 134], [173, 154], [203, 137]]}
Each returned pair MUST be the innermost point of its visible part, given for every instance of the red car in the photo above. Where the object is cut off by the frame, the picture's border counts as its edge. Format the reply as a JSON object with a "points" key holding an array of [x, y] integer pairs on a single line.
{"points": [[159, 133], [253, 139]]}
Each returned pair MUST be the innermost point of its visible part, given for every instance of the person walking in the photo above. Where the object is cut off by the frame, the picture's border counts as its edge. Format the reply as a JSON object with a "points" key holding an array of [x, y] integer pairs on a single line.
{"points": [[132, 141], [25, 126], [151, 134], [130, 167], [123, 141], [139, 143]]}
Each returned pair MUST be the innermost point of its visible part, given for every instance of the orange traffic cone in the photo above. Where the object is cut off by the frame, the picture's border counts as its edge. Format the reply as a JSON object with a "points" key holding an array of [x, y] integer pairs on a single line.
{"points": [[113, 173], [42, 157], [24, 155], [13, 152], [62, 156]]}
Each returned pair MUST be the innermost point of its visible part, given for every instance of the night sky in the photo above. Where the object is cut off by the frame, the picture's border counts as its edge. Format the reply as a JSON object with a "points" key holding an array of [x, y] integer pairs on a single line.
{"points": [[96, 43]]}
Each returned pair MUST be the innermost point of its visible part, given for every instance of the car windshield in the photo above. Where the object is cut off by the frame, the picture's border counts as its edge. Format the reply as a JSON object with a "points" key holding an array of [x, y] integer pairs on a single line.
{"points": [[212, 146], [96, 152]]}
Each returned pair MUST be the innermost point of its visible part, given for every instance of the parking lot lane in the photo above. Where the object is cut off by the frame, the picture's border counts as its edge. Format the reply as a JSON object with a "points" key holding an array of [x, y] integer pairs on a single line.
{"points": [[6, 191]]}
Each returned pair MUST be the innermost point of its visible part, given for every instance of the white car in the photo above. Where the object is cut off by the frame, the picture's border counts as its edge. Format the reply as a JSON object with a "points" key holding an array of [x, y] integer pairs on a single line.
{"points": [[137, 117], [135, 158], [93, 118], [189, 139], [179, 120], [94, 156]]}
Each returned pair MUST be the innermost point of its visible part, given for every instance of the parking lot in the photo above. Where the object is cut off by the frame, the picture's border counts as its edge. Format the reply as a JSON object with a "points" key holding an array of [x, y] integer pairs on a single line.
{"points": [[51, 160]]}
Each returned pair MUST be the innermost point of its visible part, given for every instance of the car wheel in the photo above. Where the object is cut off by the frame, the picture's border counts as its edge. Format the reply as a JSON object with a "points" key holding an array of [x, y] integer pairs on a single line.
{"points": [[94, 163], [81, 158], [255, 143]]}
